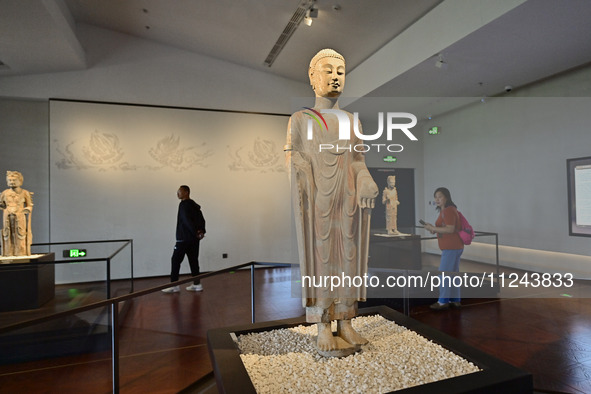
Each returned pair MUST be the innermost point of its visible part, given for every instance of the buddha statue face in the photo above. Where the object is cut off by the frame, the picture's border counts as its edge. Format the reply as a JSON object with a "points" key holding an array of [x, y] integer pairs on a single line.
{"points": [[327, 73]]}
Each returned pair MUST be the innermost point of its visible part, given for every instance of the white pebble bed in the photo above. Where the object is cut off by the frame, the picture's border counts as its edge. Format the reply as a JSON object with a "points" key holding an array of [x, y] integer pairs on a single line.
{"points": [[286, 361]]}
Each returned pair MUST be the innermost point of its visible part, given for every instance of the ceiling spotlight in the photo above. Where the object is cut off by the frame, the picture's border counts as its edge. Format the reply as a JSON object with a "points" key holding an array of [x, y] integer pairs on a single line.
{"points": [[311, 13], [440, 63]]}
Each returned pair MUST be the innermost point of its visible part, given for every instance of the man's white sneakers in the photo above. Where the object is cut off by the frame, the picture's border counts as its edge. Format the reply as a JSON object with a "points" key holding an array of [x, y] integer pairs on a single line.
{"points": [[176, 289]]}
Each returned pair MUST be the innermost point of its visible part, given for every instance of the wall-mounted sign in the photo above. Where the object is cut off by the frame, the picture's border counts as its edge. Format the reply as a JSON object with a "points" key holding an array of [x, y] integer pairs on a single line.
{"points": [[390, 159], [435, 130], [74, 253], [579, 196]]}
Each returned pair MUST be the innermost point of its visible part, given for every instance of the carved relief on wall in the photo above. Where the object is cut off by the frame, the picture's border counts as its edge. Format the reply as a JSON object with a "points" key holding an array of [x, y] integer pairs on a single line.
{"points": [[103, 151], [262, 156], [170, 153], [100, 151]]}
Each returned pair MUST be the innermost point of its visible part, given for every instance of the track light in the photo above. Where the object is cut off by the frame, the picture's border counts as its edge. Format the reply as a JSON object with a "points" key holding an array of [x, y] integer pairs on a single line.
{"points": [[311, 13], [305, 9]]}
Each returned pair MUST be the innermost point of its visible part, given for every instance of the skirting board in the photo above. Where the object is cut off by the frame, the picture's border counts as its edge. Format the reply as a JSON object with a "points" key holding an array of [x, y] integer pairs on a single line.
{"points": [[523, 258]]}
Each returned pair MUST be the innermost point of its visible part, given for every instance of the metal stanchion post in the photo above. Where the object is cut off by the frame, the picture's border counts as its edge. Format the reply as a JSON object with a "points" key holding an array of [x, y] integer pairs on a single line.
{"points": [[115, 345], [252, 300]]}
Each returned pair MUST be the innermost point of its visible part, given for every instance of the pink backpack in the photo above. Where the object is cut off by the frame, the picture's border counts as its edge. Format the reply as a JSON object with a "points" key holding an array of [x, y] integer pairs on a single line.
{"points": [[466, 233]]}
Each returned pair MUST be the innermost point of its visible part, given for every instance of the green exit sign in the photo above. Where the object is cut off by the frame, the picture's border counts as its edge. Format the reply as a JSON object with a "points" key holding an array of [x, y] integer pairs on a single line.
{"points": [[435, 130], [390, 159], [75, 253]]}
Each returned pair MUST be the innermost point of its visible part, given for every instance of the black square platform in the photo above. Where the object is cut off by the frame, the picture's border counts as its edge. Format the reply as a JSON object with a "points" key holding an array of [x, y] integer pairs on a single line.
{"points": [[26, 284], [496, 376]]}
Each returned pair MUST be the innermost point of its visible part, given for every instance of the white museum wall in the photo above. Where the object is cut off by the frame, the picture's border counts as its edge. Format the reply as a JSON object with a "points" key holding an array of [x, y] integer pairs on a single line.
{"points": [[23, 147], [504, 162], [115, 170]]}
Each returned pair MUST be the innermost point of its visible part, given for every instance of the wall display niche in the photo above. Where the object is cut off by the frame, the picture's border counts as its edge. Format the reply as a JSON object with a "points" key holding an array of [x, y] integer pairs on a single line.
{"points": [[115, 170], [579, 196]]}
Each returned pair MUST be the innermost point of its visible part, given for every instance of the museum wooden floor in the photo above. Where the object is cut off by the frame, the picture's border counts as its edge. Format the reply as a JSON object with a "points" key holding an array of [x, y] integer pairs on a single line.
{"points": [[163, 338]]}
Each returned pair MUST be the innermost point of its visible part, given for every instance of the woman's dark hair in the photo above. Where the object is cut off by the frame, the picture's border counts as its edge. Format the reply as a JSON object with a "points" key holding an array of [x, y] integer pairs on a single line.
{"points": [[447, 195]]}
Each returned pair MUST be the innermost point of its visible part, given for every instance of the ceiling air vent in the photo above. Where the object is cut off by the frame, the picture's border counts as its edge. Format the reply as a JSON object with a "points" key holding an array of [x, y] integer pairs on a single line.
{"points": [[291, 27]]}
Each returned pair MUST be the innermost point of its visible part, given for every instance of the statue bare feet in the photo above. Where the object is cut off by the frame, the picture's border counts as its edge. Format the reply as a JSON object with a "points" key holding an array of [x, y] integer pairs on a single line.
{"points": [[326, 341], [345, 330]]}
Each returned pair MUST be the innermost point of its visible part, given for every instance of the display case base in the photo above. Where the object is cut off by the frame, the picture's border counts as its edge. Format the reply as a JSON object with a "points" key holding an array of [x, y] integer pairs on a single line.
{"points": [[26, 286], [396, 252]]}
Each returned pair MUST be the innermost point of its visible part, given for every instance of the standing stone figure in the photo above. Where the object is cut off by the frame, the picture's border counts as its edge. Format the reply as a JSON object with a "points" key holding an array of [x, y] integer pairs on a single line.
{"points": [[390, 200], [333, 194], [17, 205]]}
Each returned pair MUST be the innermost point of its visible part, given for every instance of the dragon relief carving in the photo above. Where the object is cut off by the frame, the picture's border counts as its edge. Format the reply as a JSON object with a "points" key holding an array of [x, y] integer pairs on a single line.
{"points": [[169, 153]]}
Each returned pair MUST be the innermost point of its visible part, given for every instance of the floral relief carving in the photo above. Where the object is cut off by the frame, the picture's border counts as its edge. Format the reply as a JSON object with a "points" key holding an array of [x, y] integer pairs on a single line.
{"points": [[102, 151], [262, 156]]}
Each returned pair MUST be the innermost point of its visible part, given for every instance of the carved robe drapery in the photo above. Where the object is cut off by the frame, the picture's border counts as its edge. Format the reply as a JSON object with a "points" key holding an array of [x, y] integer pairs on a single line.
{"points": [[332, 230]]}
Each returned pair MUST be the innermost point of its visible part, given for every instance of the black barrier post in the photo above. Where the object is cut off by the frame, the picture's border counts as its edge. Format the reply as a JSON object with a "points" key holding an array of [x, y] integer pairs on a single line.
{"points": [[115, 345], [252, 293]]}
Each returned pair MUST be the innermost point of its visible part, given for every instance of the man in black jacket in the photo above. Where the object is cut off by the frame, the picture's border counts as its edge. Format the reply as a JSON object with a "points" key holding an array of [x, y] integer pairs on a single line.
{"points": [[190, 230]]}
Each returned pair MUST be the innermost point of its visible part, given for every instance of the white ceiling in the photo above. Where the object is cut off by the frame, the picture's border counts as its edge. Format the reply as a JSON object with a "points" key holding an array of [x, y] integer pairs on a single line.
{"points": [[534, 40]]}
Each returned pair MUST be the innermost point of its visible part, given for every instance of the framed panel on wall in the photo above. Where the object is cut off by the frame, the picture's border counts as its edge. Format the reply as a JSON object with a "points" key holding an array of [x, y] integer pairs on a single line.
{"points": [[579, 196]]}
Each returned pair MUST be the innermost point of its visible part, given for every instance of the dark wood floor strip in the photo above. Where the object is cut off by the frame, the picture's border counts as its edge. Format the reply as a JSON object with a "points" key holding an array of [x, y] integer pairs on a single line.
{"points": [[163, 346]]}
